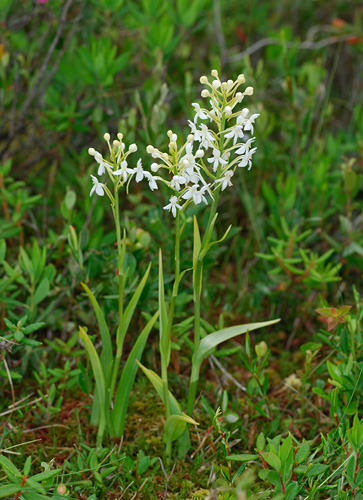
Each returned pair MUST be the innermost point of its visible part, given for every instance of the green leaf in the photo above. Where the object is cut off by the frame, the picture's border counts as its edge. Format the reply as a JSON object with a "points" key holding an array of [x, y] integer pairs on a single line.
{"points": [[129, 311], [291, 491], [317, 469], [244, 457], [32, 495], [334, 372], [260, 443], [210, 342], [106, 354], [42, 476], [35, 485], [9, 468], [176, 425], [128, 377], [285, 448], [99, 378], [42, 291], [158, 386], [9, 489], [33, 327], [302, 453], [27, 466], [273, 460]]}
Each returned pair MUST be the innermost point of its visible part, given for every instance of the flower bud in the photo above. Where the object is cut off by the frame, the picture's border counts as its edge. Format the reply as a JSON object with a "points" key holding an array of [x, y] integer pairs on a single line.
{"points": [[186, 163], [106, 136], [199, 153], [241, 78], [228, 110], [190, 138], [224, 85], [172, 145], [169, 133], [165, 156], [261, 349], [203, 79], [116, 143], [150, 149], [205, 93], [132, 148], [239, 97], [92, 151], [248, 91], [216, 84], [214, 73], [120, 136], [230, 83], [155, 167], [173, 138], [245, 112]]}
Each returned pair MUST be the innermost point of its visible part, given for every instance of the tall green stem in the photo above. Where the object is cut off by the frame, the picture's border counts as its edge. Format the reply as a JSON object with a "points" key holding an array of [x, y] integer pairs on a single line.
{"points": [[198, 274], [120, 272], [176, 275]]}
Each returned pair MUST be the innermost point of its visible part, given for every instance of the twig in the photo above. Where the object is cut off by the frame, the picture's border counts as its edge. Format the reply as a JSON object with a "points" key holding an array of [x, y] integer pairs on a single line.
{"points": [[33, 92], [167, 477], [306, 45], [227, 374]]}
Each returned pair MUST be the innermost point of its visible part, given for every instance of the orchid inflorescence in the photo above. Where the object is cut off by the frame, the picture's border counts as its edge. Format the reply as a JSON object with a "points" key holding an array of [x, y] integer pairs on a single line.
{"points": [[205, 163]]}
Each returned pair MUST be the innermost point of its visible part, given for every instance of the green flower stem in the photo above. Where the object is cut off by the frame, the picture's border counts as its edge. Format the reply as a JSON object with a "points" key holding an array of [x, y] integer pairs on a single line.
{"points": [[120, 259], [197, 277], [192, 389], [176, 276]]}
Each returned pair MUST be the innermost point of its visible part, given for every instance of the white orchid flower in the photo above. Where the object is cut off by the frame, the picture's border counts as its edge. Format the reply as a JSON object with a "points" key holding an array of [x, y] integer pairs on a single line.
{"points": [[245, 147], [226, 180], [199, 112], [217, 159], [151, 180], [124, 171], [235, 133], [246, 159], [197, 196], [204, 136], [97, 187], [173, 205], [139, 171], [176, 181]]}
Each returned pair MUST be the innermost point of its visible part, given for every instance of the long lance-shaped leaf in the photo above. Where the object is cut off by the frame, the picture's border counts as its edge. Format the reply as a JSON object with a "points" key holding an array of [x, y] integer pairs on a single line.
{"points": [[158, 386], [129, 311], [100, 382], [210, 342], [121, 332], [128, 377], [106, 353]]}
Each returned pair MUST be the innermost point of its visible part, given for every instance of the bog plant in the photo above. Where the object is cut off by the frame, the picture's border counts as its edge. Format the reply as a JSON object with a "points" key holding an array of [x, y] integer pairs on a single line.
{"points": [[196, 171]]}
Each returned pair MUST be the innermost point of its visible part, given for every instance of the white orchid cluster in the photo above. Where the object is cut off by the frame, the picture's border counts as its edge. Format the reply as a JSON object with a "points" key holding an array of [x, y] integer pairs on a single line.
{"points": [[117, 167], [206, 162]]}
